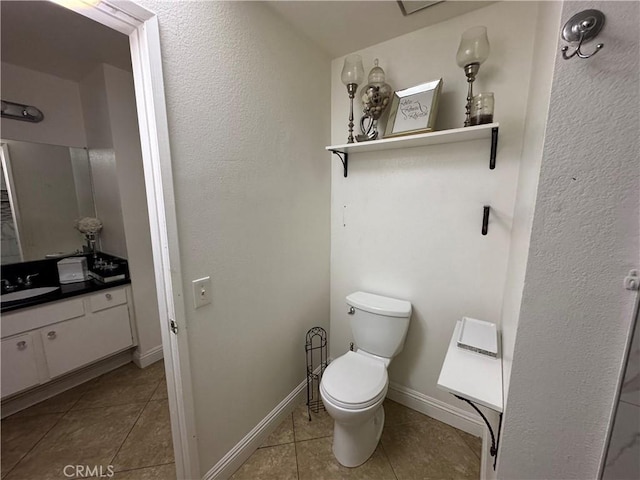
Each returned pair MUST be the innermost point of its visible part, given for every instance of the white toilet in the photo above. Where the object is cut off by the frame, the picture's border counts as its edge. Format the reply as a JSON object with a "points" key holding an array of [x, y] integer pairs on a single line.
{"points": [[354, 385]]}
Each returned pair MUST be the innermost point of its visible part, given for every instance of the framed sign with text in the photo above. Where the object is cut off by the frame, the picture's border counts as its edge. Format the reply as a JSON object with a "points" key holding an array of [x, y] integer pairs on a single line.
{"points": [[413, 110]]}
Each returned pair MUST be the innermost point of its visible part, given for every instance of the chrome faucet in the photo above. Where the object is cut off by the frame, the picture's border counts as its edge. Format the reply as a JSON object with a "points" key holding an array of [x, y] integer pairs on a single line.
{"points": [[28, 282], [8, 286]]}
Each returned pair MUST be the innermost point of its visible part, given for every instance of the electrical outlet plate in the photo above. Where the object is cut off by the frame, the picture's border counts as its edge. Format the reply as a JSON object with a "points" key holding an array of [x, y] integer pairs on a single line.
{"points": [[201, 292]]}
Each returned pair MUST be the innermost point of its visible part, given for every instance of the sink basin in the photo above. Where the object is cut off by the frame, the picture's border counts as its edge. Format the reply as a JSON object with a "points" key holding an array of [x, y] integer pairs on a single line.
{"points": [[25, 294]]}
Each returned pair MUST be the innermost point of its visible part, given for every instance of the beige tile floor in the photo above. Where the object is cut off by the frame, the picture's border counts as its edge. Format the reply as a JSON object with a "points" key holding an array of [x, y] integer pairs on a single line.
{"points": [[119, 419], [413, 447], [122, 419]]}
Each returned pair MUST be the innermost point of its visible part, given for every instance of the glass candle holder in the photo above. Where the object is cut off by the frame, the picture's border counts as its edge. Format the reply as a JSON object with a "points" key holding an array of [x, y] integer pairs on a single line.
{"points": [[352, 70], [472, 52], [474, 47], [352, 76], [482, 108]]}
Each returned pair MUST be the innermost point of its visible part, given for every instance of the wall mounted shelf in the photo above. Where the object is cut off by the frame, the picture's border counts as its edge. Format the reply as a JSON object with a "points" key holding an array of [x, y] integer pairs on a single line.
{"points": [[475, 379], [472, 375], [455, 135]]}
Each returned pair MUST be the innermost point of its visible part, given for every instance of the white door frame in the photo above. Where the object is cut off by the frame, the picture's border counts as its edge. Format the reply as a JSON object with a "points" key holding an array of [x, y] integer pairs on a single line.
{"points": [[141, 26]]}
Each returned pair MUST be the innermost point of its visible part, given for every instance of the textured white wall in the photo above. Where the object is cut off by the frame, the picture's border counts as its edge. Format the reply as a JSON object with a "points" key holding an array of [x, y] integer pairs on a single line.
{"points": [[106, 191], [575, 313], [58, 99], [248, 113], [126, 145], [543, 61], [406, 223]]}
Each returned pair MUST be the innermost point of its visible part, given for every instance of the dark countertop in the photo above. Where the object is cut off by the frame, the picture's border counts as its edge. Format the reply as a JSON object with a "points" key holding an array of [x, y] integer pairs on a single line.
{"points": [[66, 291], [45, 274]]}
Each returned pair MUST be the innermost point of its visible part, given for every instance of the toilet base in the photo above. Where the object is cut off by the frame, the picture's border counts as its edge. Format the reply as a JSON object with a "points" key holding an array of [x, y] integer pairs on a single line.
{"points": [[354, 444]]}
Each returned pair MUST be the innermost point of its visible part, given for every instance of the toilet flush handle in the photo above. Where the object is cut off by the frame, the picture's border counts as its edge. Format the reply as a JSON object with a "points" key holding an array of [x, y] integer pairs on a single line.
{"points": [[351, 311]]}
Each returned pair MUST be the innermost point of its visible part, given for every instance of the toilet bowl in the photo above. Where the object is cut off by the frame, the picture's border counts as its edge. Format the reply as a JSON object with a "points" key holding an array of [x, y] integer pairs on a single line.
{"points": [[355, 384], [353, 388]]}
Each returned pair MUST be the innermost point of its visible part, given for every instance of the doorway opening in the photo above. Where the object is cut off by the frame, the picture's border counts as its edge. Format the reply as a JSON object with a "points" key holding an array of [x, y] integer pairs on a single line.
{"points": [[140, 30]]}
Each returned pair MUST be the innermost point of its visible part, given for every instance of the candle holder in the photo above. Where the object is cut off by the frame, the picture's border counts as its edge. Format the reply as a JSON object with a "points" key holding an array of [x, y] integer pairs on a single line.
{"points": [[472, 52], [352, 75]]}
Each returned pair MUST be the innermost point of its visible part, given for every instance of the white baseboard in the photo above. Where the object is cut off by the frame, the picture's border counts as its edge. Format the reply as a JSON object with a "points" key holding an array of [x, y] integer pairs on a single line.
{"points": [[437, 409], [57, 386], [250, 443], [448, 414], [143, 360]]}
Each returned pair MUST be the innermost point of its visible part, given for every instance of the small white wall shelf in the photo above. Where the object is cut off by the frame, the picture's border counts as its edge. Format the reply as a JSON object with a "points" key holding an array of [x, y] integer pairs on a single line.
{"points": [[472, 375], [465, 134], [474, 378]]}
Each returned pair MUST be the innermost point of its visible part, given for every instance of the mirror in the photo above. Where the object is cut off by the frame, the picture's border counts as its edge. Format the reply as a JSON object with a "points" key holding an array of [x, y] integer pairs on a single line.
{"points": [[45, 189]]}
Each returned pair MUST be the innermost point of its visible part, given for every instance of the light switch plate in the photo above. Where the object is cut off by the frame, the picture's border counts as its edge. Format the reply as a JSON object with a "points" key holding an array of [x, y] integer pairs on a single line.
{"points": [[201, 292]]}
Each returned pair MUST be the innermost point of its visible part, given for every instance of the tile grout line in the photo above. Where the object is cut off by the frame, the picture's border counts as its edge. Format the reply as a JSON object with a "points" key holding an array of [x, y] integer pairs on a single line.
{"points": [[388, 459], [34, 445], [108, 406], [295, 442], [142, 468], [293, 427], [295, 446], [314, 438], [129, 433], [274, 445], [134, 424], [98, 386], [64, 414], [467, 444], [428, 419], [268, 446]]}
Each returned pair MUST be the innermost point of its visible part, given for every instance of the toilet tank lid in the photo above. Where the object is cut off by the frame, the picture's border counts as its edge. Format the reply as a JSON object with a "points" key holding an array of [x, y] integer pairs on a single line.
{"points": [[390, 307]]}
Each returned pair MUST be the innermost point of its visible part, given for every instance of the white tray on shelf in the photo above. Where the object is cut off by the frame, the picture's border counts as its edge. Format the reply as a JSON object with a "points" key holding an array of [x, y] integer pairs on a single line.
{"points": [[478, 336]]}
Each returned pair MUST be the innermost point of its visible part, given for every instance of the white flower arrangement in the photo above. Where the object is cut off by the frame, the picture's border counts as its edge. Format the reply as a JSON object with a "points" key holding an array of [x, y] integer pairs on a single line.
{"points": [[88, 225]]}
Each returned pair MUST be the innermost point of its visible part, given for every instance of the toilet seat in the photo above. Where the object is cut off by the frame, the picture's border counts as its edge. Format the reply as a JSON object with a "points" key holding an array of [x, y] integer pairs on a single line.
{"points": [[354, 381]]}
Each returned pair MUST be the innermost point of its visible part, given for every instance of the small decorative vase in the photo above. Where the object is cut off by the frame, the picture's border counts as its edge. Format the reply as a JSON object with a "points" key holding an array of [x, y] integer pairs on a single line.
{"points": [[91, 243], [376, 96]]}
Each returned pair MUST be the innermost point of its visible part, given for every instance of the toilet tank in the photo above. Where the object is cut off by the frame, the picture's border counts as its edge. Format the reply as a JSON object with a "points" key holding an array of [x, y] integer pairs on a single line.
{"points": [[379, 324]]}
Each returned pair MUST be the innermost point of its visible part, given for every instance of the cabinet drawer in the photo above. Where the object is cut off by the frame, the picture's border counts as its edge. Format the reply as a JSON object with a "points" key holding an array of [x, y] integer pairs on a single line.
{"points": [[19, 367], [36, 317], [74, 343], [107, 299]]}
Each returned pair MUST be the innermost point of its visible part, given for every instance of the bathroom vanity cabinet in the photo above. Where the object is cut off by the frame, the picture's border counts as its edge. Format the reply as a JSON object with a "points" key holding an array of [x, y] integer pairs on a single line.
{"points": [[44, 342]]}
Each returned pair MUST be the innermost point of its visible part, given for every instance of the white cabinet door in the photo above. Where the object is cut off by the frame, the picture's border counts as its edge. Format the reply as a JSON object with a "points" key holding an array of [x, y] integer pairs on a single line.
{"points": [[19, 367], [74, 343]]}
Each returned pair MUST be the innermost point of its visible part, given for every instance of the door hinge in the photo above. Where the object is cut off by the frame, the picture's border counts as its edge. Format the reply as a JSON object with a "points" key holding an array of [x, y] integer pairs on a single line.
{"points": [[632, 281], [173, 326]]}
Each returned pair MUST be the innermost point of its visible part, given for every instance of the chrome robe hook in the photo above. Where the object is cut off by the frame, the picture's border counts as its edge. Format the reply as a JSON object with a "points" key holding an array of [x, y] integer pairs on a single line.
{"points": [[581, 28]]}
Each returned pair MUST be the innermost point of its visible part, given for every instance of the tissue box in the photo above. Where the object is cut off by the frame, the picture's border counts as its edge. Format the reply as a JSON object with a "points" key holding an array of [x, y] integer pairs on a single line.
{"points": [[73, 269]]}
